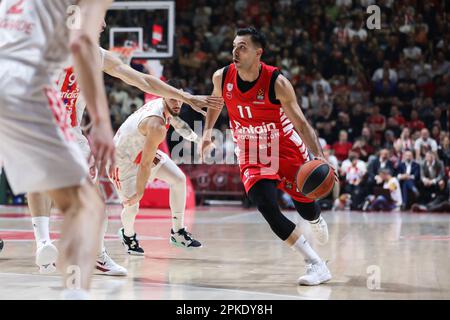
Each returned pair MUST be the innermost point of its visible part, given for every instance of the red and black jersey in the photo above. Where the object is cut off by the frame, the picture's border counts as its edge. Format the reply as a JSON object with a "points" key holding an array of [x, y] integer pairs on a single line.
{"points": [[267, 145]]}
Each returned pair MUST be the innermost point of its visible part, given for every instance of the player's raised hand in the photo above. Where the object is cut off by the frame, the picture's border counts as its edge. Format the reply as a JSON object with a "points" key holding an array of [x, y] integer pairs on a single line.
{"points": [[199, 102], [102, 145]]}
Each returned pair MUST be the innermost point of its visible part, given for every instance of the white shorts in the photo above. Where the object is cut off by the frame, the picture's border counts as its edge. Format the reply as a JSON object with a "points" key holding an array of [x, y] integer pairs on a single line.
{"points": [[124, 179], [38, 148]]}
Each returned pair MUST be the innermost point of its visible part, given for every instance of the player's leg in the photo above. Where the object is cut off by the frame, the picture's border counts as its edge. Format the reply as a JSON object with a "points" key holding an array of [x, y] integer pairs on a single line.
{"points": [[176, 179], [39, 205], [124, 181], [104, 263], [307, 209], [263, 193], [84, 213], [310, 211]]}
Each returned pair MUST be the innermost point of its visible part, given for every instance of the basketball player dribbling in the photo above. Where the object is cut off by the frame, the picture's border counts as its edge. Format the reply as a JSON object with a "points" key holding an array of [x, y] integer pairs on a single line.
{"points": [[139, 162], [264, 115], [39, 151], [40, 204]]}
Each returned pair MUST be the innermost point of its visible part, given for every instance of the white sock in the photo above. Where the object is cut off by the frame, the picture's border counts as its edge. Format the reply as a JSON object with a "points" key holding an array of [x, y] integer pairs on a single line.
{"points": [[128, 216], [177, 221], [102, 240], [302, 246], [41, 229], [177, 205]]}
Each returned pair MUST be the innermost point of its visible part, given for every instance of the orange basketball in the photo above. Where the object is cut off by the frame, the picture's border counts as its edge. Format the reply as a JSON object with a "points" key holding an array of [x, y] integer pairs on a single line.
{"points": [[315, 179]]}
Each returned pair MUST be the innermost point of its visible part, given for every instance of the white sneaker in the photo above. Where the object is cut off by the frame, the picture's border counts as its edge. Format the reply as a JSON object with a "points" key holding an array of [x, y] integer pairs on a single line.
{"points": [[320, 230], [316, 274], [46, 256], [47, 269], [108, 267]]}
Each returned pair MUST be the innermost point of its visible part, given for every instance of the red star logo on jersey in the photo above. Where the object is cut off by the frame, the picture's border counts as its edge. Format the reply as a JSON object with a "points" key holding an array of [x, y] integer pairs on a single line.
{"points": [[260, 94]]}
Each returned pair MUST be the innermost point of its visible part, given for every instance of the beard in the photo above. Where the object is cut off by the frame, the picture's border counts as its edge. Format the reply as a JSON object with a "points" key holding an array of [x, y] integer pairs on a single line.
{"points": [[173, 113]]}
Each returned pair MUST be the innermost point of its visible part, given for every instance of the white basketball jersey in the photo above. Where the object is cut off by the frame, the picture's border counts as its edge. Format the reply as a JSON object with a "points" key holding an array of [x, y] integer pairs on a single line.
{"points": [[128, 140], [70, 92], [34, 33]]}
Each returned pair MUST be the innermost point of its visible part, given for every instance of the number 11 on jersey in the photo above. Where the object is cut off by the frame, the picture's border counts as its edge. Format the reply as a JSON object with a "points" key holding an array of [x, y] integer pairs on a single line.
{"points": [[241, 112]]}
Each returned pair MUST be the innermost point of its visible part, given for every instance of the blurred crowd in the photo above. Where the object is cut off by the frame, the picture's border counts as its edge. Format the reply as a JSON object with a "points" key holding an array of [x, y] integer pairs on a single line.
{"points": [[379, 99]]}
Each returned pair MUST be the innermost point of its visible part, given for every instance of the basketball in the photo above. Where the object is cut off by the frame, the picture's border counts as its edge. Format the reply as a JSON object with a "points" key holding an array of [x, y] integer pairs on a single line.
{"points": [[315, 179]]}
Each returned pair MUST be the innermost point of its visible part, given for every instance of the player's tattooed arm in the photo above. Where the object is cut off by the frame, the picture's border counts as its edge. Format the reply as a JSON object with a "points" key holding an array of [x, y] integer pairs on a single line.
{"points": [[286, 94], [184, 129], [155, 132], [151, 84]]}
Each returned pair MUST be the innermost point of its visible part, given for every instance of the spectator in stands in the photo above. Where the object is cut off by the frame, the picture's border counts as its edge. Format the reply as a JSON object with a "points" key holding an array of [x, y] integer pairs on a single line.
{"points": [[353, 170], [319, 80], [412, 51], [374, 167], [389, 139], [439, 117], [397, 118], [444, 150], [443, 65], [441, 203], [409, 177], [431, 172], [436, 132], [342, 147], [386, 72], [383, 202], [120, 96], [415, 123], [318, 98], [404, 142], [424, 144], [377, 122], [343, 124], [330, 157]]}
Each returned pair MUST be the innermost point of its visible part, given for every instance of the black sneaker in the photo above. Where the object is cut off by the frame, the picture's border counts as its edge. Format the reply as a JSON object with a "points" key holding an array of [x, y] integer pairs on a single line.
{"points": [[183, 239], [131, 244]]}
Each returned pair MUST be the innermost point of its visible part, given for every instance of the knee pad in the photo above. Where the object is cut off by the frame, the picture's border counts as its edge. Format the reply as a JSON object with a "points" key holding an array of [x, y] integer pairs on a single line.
{"points": [[279, 224], [308, 211]]}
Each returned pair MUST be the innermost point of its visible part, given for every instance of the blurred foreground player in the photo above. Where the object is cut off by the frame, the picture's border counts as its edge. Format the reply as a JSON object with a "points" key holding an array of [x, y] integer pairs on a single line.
{"points": [[39, 151], [272, 139]]}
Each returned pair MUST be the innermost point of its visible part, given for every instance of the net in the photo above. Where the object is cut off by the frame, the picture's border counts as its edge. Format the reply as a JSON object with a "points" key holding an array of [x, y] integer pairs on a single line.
{"points": [[124, 53]]}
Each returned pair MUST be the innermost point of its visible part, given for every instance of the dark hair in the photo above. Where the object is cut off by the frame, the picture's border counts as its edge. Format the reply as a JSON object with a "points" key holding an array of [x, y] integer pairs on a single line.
{"points": [[174, 83], [258, 38]]}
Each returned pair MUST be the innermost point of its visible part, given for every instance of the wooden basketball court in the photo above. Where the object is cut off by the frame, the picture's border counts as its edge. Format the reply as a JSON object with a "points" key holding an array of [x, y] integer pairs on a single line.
{"points": [[371, 256]]}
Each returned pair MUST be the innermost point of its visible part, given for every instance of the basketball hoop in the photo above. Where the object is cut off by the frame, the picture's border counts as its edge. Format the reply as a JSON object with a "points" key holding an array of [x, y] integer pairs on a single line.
{"points": [[124, 53]]}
